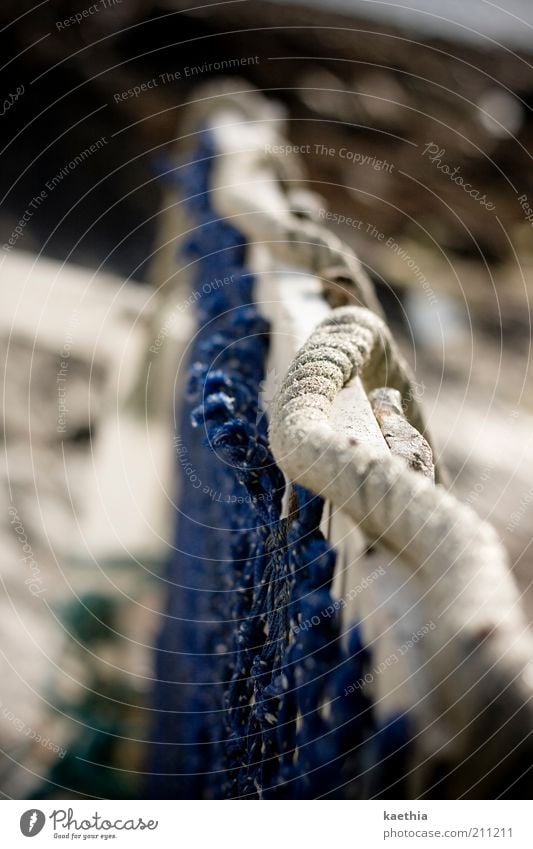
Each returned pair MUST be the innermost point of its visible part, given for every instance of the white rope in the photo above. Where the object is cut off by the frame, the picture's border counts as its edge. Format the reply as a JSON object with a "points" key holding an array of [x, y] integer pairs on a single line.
{"points": [[480, 650], [457, 559]]}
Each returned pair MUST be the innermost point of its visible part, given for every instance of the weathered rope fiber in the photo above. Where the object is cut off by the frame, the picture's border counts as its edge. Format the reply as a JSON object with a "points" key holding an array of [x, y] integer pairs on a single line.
{"points": [[481, 649]]}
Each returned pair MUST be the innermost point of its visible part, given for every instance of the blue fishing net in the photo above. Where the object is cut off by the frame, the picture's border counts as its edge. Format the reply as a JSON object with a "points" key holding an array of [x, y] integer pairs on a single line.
{"points": [[248, 703]]}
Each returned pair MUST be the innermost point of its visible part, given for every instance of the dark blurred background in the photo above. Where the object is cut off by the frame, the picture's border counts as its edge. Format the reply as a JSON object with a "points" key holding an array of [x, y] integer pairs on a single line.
{"points": [[346, 80]]}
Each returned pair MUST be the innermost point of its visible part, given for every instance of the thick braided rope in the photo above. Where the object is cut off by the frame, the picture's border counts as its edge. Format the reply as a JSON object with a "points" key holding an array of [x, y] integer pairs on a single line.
{"points": [[243, 683], [480, 642], [257, 190], [456, 558], [242, 178], [294, 238]]}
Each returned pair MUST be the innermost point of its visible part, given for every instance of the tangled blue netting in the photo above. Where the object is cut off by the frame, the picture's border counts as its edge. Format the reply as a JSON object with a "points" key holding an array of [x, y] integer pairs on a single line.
{"points": [[248, 703]]}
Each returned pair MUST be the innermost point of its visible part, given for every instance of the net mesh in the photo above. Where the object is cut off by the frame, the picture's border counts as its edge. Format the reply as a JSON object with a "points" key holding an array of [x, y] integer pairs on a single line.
{"points": [[249, 702]]}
